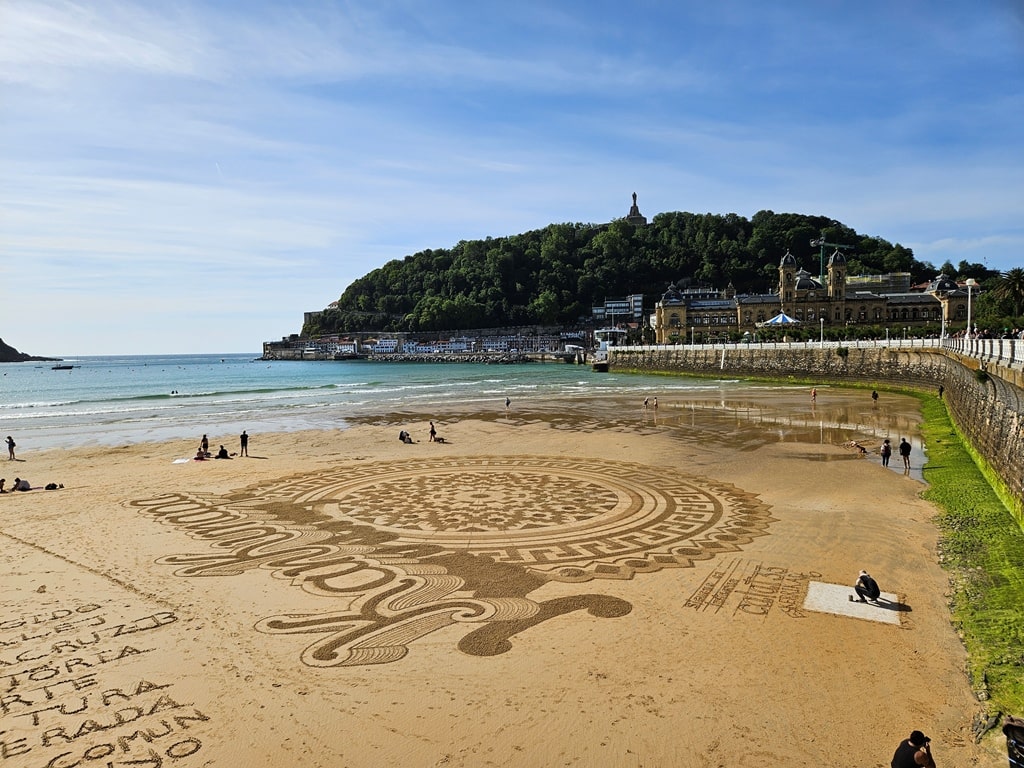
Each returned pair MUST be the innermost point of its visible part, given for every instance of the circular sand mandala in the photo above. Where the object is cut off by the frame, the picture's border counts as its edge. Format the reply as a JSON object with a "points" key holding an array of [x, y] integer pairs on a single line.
{"points": [[571, 520]]}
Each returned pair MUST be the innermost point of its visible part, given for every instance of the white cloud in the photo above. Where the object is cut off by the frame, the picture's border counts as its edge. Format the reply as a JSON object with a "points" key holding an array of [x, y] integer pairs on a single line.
{"points": [[193, 157]]}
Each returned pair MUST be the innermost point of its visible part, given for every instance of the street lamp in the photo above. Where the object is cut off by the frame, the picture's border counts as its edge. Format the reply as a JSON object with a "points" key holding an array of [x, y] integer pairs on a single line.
{"points": [[822, 321], [971, 282]]}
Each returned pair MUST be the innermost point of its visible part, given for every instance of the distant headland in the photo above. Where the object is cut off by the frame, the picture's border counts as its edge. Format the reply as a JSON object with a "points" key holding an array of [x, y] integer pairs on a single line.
{"points": [[9, 354]]}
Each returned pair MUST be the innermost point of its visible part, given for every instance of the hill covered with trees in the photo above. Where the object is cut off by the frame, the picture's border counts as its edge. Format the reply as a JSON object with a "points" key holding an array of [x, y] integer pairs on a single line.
{"points": [[553, 276]]}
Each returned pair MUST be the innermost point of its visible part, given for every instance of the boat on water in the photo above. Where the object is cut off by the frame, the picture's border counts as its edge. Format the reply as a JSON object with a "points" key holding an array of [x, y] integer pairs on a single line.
{"points": [[62, 368], [606, 339]]}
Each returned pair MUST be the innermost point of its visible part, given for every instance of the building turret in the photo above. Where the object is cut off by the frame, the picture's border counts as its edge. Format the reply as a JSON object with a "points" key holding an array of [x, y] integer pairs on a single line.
{"points": [[787, 278], [837, 276]]}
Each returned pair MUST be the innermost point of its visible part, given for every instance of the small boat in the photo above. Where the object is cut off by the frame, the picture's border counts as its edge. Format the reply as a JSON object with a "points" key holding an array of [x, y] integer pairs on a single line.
{"points": [[606, 339], [62, 368]]}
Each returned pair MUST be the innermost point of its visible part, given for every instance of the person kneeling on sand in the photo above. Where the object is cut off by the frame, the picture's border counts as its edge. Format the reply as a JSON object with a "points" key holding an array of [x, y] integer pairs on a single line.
{"points": [[866, 588], [914, 752]]}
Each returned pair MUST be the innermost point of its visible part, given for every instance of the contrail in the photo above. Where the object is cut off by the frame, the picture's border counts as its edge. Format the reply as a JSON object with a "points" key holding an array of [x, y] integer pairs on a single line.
{"points": [[219, 171]]}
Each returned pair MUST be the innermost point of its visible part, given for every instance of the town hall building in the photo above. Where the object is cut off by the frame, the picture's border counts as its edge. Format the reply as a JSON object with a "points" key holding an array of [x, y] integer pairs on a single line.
{"points": [[835, 301]]}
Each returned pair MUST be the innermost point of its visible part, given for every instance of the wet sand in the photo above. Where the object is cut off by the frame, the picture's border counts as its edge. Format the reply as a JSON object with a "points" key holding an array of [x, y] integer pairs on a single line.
{"points": [[571, 583]]}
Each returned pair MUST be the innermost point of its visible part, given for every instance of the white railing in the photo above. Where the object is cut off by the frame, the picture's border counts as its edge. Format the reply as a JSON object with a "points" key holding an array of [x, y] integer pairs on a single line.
{"points": [[1005, 352]]}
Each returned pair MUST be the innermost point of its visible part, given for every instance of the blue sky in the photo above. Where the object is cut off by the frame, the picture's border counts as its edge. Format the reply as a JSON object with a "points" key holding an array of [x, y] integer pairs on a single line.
{"points": [[193, 176]]}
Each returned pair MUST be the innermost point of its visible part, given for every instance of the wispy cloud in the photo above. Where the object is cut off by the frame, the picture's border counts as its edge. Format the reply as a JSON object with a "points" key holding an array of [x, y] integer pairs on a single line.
{"points": [[192, 156]]}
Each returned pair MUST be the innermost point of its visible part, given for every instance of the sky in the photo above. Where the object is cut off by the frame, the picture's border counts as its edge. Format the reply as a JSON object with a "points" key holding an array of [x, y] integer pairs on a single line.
{"points": [[191, 177]]}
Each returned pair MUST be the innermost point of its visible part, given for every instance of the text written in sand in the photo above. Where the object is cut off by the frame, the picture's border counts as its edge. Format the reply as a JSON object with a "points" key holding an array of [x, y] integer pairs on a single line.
{"points": [[68, 697]]}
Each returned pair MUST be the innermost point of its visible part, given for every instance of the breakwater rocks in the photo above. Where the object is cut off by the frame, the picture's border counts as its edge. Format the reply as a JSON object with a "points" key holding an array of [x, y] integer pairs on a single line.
{"points": [[985, 401]]}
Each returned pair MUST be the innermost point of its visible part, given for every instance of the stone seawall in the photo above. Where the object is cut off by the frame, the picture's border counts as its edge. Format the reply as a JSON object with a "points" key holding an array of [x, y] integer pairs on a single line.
{"points": [[986, 402]]}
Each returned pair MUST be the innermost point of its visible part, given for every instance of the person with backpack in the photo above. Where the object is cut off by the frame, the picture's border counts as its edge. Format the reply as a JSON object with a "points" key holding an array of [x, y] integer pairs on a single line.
{"points": [[886, 452]]}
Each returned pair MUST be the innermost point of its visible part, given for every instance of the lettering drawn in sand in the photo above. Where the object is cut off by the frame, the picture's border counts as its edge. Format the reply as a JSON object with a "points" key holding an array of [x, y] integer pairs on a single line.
{"points": [[405, 548], [60, 706], [751, 588]]}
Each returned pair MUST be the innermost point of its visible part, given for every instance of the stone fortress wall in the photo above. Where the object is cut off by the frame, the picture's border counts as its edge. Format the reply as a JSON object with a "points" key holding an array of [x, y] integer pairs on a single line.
{"points": [[985, 401]]}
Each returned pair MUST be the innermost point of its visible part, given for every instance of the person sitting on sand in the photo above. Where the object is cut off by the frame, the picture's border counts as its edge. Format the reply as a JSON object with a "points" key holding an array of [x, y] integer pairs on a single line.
{"points": [[200, 456], [222, 453], [2, 481], [21, 485], [404, 436]]}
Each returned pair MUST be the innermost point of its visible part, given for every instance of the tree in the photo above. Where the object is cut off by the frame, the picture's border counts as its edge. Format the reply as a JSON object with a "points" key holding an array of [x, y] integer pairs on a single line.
{"points": [[1010, 288], [553, 275]]}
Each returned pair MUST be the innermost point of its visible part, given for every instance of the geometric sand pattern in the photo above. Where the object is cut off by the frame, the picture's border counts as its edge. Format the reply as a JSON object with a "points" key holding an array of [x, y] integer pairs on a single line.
{"points": [[401, 549]]}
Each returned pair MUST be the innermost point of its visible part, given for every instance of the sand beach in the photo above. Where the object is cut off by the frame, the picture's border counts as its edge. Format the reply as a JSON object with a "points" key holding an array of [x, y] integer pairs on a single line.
{"points": [[578, 584]]}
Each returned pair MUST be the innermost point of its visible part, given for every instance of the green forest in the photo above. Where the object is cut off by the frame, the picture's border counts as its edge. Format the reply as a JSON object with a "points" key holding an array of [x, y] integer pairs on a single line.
{"points": [[553, 276]]}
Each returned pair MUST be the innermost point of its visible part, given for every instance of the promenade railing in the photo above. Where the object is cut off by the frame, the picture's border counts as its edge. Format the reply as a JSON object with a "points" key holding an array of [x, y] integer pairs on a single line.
{"points": [[1005, 352]]}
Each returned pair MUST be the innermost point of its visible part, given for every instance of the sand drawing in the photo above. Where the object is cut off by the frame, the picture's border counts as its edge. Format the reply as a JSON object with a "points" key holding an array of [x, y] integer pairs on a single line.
{"points": [[408, 547]]}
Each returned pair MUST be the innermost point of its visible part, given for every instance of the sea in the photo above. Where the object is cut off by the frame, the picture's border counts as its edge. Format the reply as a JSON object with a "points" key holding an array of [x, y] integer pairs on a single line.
{"points": [[118, 400], [122, 400]]}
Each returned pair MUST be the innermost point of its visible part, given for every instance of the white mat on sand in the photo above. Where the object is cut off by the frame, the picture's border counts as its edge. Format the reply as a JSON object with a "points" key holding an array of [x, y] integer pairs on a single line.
{"points": [[835, 598]]}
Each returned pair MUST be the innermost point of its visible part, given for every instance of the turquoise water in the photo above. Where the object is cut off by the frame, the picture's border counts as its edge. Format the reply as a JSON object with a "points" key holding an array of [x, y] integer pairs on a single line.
{"points": [[120, 400]]}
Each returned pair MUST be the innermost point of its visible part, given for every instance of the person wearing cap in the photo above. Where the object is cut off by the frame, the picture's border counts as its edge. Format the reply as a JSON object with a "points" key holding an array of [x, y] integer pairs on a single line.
{"points": [[914, 752], [866, 588]]}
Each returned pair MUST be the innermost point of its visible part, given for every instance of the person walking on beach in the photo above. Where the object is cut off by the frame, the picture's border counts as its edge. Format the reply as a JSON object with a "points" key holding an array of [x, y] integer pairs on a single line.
{"points": [[655, 403], [646, 403], [814, 395], [885, 451], [433, 433], [874, 397], [204, 445], [10, 448], [243, 442], [915, 752], [905, 452], [508, 404]]}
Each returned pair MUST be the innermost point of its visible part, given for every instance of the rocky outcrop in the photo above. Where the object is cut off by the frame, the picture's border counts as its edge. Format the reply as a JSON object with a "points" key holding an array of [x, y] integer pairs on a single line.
{"points": [[9, 354]]}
